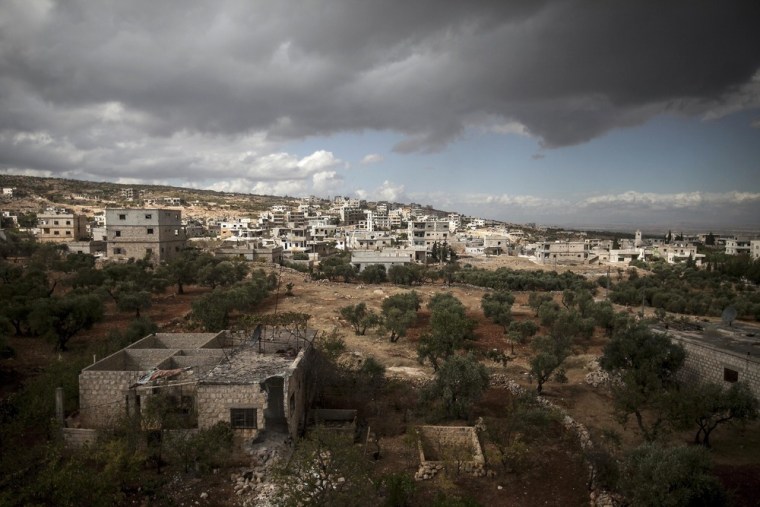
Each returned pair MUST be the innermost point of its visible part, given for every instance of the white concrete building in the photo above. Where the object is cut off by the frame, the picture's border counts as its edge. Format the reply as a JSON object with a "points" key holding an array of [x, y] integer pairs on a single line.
{"points": [[754, 249]]}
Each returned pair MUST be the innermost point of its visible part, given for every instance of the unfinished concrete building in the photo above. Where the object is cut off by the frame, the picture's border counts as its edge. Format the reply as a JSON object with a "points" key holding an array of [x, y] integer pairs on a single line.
{"points": [[564, 252], [138, 233], [62, 227], [255, 385]]}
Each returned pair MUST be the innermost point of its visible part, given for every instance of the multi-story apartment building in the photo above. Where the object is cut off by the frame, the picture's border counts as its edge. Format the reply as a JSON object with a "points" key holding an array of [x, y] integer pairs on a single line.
{"points": [[425, 233], [138, 233], [351, 217], [61, 227], [236, 227], [396, 216], [754, 249], [737, 246]]}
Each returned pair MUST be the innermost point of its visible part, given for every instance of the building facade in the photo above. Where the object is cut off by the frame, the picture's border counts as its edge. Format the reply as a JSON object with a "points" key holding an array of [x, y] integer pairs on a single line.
{"points": [[157, 234], [62, 227], [754, 249]]}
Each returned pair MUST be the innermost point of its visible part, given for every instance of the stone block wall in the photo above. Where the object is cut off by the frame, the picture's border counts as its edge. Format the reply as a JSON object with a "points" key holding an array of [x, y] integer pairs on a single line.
{"points": [[706, 363], [214, 402], [299, 392], [103, 396]]}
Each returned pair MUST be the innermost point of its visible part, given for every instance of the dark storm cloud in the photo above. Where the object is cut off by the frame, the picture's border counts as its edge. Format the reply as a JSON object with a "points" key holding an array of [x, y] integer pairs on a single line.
{"points": [[120, 77]]}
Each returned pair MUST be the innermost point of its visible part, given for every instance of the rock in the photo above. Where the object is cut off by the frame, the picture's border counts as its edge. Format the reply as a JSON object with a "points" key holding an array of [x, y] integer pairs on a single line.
{"points": [[499, 488], [204, 495]]}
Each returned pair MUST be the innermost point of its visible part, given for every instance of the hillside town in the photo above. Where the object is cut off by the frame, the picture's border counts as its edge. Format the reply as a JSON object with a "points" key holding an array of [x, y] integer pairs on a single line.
{"points": [[141, 224]]}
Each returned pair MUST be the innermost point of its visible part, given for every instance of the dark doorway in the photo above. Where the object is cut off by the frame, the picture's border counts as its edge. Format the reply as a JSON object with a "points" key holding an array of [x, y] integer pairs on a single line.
{"points": [[274, 415]]}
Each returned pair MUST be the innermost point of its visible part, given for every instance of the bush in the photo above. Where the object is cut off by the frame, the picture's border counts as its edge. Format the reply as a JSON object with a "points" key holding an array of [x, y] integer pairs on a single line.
{"points": [[373, 274], [399, 488], [678, 476]]}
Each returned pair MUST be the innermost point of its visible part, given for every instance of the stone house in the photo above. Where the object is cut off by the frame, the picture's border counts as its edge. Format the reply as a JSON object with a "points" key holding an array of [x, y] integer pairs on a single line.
{"points": [[255, 385]]}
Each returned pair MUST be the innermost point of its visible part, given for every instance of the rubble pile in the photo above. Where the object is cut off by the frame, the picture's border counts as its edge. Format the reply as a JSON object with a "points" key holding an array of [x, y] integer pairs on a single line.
{"points": [[598, 377], [252, 484]]}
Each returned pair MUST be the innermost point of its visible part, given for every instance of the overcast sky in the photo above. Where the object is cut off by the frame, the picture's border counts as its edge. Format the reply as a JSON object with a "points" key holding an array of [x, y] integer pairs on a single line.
{"points": [[563, 112]]}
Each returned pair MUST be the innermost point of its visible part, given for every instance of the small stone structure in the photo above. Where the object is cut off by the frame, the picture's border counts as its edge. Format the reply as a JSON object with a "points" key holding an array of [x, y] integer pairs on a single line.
{"points": [[339, 421], [444, 446]]}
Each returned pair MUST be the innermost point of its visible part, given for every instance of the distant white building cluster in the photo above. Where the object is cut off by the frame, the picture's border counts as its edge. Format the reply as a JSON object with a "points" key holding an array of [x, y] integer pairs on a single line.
{"points": [[159, 226]]}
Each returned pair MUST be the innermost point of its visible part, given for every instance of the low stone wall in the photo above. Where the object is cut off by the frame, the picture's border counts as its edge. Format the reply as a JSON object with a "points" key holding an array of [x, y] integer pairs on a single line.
{"points": [[598, 497], [442, 446], [707, 363], [79, 437]]}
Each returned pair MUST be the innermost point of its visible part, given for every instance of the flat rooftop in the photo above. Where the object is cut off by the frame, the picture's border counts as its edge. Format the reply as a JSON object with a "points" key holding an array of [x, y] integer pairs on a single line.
{"points": [[254, 361], [741, 338], [210, 358]]}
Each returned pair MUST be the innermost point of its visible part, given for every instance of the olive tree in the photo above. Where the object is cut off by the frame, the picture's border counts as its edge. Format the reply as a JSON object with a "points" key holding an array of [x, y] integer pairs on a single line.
{"points": [[62, 318], [449, 328], [458, 383], [647, 363], [399, 312], [359, 317], [709, 405], [550, 353], [497, 306]]}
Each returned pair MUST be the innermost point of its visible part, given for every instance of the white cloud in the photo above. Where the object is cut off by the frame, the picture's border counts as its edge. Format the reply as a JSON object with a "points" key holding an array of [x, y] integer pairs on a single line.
{"points": [[326, 181], [281, 188], [681, 200], [318, 161], [372, 158], [520, 201], [390, 192], [526, 201]]}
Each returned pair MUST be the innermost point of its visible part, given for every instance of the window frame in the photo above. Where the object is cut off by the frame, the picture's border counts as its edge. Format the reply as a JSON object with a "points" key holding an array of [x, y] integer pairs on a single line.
{"points": [[730, 375], [243, 418]]}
